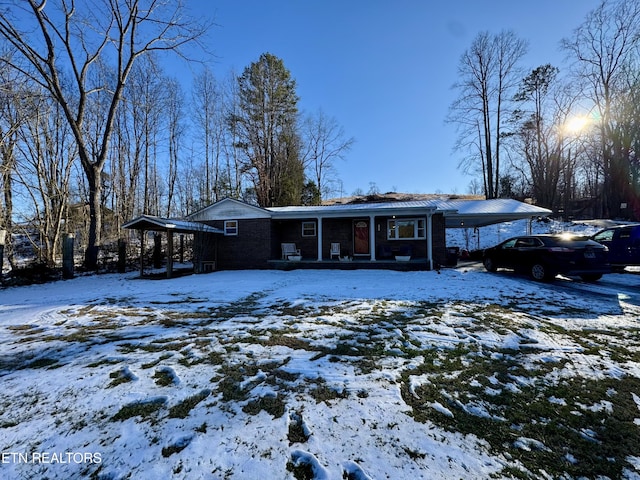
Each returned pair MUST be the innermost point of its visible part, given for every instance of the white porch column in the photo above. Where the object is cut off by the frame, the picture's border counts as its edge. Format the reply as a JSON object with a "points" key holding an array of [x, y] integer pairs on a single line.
{"points": [[319, 233], [430, 240], [372, 237]]}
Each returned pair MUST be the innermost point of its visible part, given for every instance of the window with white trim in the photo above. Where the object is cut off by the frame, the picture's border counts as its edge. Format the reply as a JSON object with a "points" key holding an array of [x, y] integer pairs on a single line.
{"points": [[308, 229], [406, 228], [230, 228]]}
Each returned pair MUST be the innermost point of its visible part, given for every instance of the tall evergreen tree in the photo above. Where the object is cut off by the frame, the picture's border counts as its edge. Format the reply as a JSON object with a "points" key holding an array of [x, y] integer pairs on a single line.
{"points": [[267, 128]]}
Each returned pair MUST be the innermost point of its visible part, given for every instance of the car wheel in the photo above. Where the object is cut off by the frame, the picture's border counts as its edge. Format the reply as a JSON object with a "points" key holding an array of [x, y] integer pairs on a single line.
{"points": [[489, 264], [592, 277], [540, 272]]}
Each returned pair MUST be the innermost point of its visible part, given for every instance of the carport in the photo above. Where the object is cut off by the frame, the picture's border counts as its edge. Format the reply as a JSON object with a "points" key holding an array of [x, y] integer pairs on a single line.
{"points": [[145, 223], [480, 213]]}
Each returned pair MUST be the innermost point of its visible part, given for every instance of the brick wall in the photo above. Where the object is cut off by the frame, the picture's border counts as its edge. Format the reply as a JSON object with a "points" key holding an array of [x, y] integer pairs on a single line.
{"points": [[290, 231], [251, 248], [337, 230]]}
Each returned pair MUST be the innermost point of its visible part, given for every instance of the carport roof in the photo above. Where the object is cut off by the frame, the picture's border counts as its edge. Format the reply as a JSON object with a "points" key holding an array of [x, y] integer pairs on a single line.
{"points": [[479, 213], [159, 224]]}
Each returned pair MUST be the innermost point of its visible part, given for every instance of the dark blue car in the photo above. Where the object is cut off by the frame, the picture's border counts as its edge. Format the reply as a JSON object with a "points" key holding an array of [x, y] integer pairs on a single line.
{"points": [[623, 243]]}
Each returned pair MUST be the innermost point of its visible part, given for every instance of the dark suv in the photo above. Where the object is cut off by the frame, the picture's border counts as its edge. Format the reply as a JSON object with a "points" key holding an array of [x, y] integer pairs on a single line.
{"points": [[623, 243], [545, 256]]}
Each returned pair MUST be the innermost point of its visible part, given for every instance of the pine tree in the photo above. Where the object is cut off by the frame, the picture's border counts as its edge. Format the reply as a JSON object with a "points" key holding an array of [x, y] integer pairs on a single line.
{"points": [[267, 127]]}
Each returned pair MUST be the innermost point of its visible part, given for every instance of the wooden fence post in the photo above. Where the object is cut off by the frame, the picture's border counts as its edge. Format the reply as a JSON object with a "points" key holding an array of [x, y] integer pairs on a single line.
{"points": [[122, 255], [67, 256]]}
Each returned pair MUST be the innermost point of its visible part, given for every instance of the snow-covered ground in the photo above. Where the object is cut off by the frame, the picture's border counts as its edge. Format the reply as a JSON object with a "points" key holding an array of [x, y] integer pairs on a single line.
{"points": [[320, 374]]}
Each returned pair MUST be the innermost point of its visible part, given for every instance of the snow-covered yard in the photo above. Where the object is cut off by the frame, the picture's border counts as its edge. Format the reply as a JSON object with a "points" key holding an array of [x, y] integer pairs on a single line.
{"points": [[323, 375], [320, 374]]}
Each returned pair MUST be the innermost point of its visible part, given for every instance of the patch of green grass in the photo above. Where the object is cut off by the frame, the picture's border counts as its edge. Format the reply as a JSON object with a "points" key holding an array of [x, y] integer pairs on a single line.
{"points": [[164, 377], [26, 329], [230, 380], [44, 362], [153, 363], [182, 409], [144, 409], [301, 470], [176, 447], [579, 427], [104, 361], [156, 346], [323, 393], [121, 376], [272, 404], [294, 343], [297, 433]]}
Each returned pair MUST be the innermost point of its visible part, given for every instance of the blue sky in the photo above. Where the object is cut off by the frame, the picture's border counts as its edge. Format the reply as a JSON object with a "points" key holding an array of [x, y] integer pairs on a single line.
{"points": [[384, 69]]}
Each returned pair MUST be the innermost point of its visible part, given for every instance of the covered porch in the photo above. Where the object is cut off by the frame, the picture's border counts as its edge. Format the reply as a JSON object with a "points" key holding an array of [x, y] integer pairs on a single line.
{"points": [[396, 239]]}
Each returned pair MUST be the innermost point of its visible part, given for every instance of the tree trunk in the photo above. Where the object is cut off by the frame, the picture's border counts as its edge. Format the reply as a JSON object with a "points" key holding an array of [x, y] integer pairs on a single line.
{"points": [[7, 182], [95, 217]]}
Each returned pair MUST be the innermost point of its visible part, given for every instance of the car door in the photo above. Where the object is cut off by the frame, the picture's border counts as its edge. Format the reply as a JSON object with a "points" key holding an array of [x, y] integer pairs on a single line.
{"points": [[605, 237], [634, 245], [527, 252], [507, 254], [622, 246]]}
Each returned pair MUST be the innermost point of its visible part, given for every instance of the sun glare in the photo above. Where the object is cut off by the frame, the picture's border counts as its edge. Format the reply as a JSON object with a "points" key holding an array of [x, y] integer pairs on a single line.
{"points": [[576, 124]]}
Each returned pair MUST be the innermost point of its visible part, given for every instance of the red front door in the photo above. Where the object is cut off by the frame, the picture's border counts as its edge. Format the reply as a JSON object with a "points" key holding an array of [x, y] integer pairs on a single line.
{"points": [[361, 237]]}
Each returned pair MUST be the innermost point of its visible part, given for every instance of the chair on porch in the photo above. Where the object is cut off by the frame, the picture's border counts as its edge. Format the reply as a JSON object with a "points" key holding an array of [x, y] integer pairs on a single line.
{"points": [[289, 249], [335, 250]]}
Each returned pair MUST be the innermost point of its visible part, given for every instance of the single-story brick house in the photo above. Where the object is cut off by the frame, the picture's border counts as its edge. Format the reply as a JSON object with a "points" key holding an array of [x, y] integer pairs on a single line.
{"points": [[231, 234]]}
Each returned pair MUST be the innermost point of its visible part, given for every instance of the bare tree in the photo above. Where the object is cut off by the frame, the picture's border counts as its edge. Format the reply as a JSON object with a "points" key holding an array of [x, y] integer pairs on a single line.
{"points": [[47, 156], [234, 175], [12, 117], [174, 114], [536, 134], [63, 43], [147, 95], [325, 142], [209, 116], [606, 49], [488, 74]]}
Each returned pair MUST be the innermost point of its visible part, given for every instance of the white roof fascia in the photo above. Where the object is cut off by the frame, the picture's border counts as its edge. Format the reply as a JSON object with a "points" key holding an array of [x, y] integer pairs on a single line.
{"points": [[229, 209]]}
